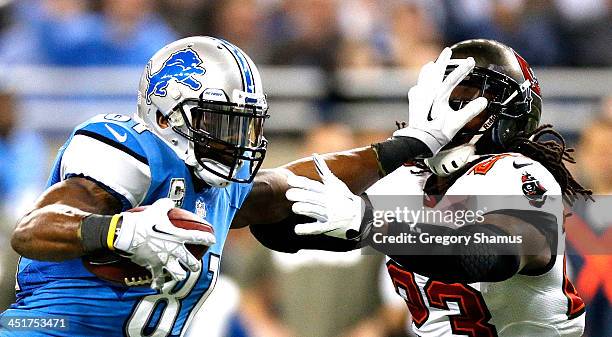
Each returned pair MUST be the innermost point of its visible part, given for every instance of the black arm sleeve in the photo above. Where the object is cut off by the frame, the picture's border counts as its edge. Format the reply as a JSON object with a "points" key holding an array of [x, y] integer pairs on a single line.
{"points": [[546, 224], [455, 262], [281, 237], [394, 152], [94, 231]]}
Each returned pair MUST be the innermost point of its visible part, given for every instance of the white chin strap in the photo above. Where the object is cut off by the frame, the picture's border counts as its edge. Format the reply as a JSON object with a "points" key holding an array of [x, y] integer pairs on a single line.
{"points": [[210, 178], [446, 162], [449, 161], [204, 174]]}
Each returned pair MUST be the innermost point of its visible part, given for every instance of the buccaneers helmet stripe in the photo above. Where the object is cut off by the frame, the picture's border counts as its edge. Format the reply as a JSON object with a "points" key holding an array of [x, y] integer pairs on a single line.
{"points": [[528, 73]]}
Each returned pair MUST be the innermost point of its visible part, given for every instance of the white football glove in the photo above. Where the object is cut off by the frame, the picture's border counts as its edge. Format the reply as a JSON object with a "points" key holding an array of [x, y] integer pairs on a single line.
{"points": [[337, 210], [153, 242], [430, 118]]}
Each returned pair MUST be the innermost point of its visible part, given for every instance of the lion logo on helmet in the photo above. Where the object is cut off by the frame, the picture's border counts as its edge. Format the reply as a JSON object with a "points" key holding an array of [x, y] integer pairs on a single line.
{"points": [[181, 66]]}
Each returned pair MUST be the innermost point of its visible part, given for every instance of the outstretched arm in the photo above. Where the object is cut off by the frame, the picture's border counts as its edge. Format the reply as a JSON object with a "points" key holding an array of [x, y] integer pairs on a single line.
{"points": [[267, 203], [340, 216], [358, 168], [432, 125]]}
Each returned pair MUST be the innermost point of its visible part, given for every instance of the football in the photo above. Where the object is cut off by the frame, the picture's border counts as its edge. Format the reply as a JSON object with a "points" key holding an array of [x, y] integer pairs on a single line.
{"points": [[120, 270]]}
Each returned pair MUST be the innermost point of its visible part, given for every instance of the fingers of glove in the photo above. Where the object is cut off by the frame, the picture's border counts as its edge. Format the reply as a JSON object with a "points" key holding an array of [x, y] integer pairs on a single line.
{"points": [[425, 75], [157, 277], [432, 73], [454, 78], [300, 195], [419, 104], [186, 258], [444, 57], [416, 96], [413, 93], [163, 205], [189, 235], [310, 210], [442, 62], [468, 112], [305, 183], [312, 228], [176, 271], [157, 213]]}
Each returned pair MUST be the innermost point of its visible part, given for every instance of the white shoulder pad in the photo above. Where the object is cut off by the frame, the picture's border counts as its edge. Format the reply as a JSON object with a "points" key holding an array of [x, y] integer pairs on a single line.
{"points": [[518, 181], [111, 167]]}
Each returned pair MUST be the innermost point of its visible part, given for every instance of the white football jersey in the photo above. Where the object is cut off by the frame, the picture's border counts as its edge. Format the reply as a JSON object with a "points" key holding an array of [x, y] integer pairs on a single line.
{"points": [[523, 305]]}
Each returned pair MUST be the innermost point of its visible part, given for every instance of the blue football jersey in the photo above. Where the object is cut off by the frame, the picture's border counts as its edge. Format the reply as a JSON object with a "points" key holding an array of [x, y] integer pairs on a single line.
{"points": [[126, 159]]}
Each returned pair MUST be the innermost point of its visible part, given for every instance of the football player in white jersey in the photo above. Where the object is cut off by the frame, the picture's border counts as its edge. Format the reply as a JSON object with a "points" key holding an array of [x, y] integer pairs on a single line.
{"points": [[453, 288]]}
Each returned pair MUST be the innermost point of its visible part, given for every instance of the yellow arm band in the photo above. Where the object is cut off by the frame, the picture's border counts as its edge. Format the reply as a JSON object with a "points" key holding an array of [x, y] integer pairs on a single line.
{"points": [[112, 228]]}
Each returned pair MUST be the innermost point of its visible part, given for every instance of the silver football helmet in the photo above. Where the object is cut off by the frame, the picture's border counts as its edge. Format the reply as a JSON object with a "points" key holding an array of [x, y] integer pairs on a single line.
{"points": [[204, 97]]}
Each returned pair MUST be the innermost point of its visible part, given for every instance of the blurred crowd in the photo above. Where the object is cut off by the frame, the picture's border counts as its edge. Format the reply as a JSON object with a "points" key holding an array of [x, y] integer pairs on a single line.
{"points": [[325, 33], [310, 293]]}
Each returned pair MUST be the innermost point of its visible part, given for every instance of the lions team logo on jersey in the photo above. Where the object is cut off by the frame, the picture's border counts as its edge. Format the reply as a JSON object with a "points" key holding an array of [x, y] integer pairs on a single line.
{"points": [[182, 66], [533, 190], [200, 208]]}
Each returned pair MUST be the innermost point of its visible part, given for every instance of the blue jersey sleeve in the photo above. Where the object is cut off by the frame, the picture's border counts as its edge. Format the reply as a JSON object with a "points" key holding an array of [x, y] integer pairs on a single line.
{"points": [[108, 151]]}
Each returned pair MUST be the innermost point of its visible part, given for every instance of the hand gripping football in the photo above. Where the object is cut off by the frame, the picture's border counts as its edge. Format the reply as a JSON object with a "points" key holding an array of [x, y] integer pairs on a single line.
{"points": [[117, 269]]}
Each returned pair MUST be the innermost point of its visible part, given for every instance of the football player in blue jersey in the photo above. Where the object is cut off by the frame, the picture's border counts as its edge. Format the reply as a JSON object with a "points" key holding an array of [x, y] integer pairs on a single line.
{"points": [[196, 142]]}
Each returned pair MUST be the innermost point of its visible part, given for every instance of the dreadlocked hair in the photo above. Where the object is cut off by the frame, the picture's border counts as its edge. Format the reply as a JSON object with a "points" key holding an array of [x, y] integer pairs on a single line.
{"points": [[551, 154]]}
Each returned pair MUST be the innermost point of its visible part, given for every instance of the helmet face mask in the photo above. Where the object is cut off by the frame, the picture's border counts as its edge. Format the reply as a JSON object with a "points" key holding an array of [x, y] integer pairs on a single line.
{"points": [[514, 103], [462, 95], [225, 136], [507, 100], [211, 96]]}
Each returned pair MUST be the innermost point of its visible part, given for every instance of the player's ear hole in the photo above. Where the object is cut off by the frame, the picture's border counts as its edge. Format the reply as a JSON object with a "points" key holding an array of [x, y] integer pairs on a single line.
{"points": [[162, 121]]}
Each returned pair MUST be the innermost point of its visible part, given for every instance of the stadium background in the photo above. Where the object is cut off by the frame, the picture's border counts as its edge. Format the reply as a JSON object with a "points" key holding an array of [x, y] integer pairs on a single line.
{"points": [[337, 73]]}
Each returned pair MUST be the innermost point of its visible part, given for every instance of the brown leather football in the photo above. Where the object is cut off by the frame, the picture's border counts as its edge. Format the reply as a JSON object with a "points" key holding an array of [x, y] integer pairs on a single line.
{"points": [[117, 269]]}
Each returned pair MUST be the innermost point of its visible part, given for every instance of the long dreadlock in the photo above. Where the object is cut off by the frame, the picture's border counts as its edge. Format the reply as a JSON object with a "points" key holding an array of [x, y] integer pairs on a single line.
{"points": [[552, 155]]}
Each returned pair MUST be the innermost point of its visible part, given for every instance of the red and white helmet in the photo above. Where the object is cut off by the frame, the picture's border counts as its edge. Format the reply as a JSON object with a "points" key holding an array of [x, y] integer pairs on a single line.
{"points": [[515, 103]]}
